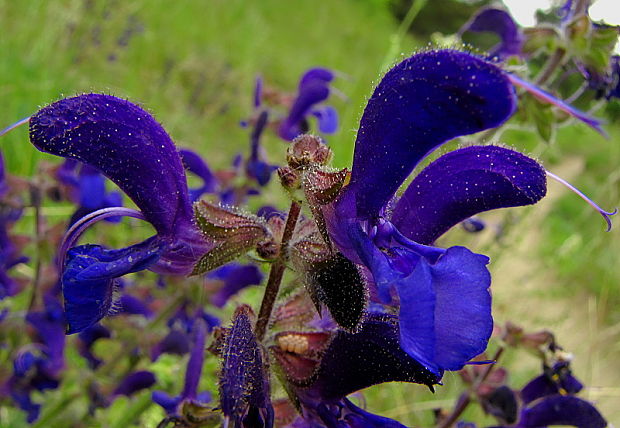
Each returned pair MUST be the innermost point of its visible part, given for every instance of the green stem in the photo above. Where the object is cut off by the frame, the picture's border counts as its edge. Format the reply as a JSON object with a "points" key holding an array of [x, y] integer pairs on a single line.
{"points": [[53, 412], [276, 273]]}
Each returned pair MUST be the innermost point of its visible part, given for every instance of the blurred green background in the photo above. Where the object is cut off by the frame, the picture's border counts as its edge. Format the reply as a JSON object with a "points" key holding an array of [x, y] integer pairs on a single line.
{"points": [[193, 65]]}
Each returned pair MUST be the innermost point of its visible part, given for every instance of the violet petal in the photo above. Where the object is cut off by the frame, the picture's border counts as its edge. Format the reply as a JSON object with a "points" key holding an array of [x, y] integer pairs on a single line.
{"points": [[445, 312], [562, 410], [419, 104], [88, 279], [126, 144], [463, 183]]}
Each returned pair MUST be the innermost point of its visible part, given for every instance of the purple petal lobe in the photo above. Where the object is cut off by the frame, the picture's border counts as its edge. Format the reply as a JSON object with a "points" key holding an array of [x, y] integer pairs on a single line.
{"points": [[315, 75], [500, 22], [328, 119], [126, 144], [235, 277], [422, 102], [463, 183], [135, 382], [445, 312], [314, 92], [197, 166], [562, 410], [373, 355], [88, 279], [196, 359]]}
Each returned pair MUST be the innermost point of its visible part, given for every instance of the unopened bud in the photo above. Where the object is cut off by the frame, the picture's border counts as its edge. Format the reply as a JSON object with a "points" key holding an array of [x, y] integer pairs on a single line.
{"points": [[308, 150]]}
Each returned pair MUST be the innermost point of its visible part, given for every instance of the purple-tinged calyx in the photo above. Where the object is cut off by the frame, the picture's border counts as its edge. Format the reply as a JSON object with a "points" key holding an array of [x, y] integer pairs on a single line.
{"points": [[244, 384]]}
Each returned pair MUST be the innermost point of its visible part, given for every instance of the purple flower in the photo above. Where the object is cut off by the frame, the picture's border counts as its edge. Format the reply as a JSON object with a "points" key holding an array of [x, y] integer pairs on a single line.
{"points": [[500, 22], [87, 189], [128, 146], [38, 367], [197, 166], [313, 89], [181, 324], [325, 366], [87, 338], [134, 382], [190, 395], [445, 306], [234, 277], [255, 167], [9, 251]]}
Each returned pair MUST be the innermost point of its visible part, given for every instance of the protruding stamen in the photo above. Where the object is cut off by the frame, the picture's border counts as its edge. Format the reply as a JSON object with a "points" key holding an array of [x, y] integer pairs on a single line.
{"points": [[80, 226], [606, 214], [546, 97], [15, 125]]}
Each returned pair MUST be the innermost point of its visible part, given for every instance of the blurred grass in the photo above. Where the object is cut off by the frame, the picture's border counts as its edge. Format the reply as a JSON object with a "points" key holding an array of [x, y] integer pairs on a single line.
{"points": [[193, 65]]}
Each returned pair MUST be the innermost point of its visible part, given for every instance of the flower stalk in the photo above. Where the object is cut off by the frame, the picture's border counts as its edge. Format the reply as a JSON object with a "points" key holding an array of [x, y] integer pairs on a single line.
{"points": [[276, 273]]}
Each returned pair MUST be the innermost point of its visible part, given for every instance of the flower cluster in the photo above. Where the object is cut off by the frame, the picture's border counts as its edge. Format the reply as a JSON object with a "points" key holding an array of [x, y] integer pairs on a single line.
{"points": [[371, 297]]}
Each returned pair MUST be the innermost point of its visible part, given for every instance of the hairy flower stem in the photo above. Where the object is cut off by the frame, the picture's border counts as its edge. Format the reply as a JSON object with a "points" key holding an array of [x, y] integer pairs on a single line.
{"points": [[276, 273], [466, 397]]}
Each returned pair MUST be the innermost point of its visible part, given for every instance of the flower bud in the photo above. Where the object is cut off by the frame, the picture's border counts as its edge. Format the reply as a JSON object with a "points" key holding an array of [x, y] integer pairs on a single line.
{"points": [[307, 150]]}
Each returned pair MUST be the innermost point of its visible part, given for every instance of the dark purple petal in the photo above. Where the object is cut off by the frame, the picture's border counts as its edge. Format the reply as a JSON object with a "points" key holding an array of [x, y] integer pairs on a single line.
{"points": [[165, 400], [176, 342], [129, 304], [244, 385], [258, 92], [562, 410], [135, 382], [463, 183], [126, 144], [23, 400], [235, 277], [445, 310], [91, 188], [359, 418], [88, 279], [256, 168], [196, 359], [373, 355], [500, 22], [328, 119], [49, 325], [314, 92], [87, 338], [422, 102], [197, 166], [555, 380], [315, 75]]}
